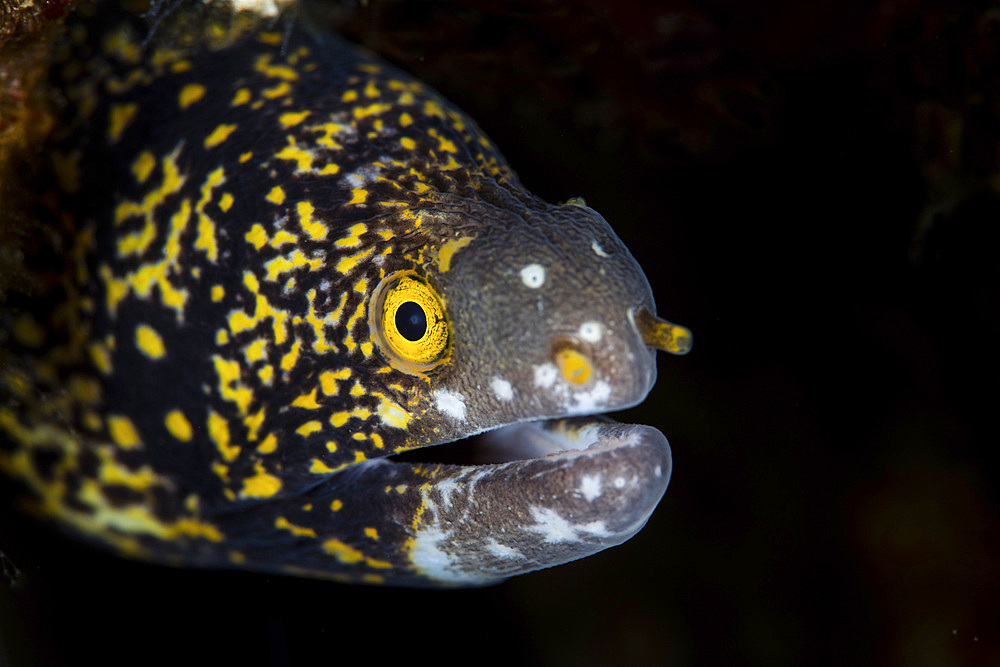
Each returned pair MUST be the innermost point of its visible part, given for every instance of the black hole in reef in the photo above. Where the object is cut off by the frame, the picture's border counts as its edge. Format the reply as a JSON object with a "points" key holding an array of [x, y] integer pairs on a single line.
{"points": [[411, 322]]}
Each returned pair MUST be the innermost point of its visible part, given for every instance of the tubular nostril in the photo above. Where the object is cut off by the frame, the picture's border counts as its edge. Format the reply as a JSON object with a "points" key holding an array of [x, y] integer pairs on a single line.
{"points": [[574, 365], [663, 335]]}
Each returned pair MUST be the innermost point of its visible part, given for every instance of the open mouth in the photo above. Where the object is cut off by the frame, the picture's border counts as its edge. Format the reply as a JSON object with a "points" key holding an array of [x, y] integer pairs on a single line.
{"points": [[535, 494], [566, 437], [532, 495]]}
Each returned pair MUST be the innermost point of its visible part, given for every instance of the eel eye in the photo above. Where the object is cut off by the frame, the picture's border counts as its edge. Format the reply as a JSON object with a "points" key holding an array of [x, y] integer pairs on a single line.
{"points": [[408, 323]]}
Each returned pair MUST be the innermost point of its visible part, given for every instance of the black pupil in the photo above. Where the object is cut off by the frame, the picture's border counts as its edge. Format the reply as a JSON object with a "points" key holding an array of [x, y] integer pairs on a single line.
{"points": [[411, 322]]}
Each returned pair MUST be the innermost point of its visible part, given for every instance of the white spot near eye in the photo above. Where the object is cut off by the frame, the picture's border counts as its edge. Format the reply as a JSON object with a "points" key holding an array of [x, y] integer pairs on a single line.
{"points": [[598, 250], [619, 482], [502, 388], [591, 332], [590, 487], [451, 403], [533, 275], [545, 375]]}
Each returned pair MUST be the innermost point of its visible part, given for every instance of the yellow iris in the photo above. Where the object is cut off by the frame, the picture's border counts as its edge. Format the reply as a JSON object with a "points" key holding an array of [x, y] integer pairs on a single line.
{"points": [[404, 299]]}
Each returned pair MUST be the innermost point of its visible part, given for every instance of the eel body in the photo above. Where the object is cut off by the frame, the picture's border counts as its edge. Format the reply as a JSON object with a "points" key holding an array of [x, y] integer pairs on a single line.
{"points": [[276, 262]]}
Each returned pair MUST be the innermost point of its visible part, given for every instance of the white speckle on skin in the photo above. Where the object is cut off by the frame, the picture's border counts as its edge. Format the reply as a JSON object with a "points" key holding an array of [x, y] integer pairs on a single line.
{"points": [[598, 250], [591, 332], [587, 402], [619, 482], [553, 528], [446, 488], [451, 403], [502, 550], [432, 561], [590, 487], [502, 388], [545, 375], [533, 275], [658, 471]]}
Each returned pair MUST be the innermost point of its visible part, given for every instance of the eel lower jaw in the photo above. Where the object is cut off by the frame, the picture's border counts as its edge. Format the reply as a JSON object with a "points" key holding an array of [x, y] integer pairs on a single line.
{"points": [[533, 495]]}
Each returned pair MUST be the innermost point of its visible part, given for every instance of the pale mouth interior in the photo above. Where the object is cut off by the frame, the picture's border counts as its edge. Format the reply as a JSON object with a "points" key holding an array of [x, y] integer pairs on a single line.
{"points": [[514, 442]]}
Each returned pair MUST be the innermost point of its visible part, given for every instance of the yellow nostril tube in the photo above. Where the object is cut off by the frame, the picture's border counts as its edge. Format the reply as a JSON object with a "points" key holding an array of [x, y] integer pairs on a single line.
{"points": [[574, 365], [662, 335]]}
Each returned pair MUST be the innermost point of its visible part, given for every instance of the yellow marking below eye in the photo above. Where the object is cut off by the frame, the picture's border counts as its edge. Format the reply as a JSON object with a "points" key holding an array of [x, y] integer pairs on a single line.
{"points": [[574, 365], [178, 425], [408, 143], [392, 415], [218, 292]]}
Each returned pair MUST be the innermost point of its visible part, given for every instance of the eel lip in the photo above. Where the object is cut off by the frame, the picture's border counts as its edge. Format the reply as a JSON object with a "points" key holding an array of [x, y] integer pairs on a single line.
{"points": [[589, 483]]}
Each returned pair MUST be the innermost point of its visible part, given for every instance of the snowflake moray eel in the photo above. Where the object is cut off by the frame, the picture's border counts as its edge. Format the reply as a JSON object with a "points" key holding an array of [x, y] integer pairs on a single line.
{"points": [[279, 262]]}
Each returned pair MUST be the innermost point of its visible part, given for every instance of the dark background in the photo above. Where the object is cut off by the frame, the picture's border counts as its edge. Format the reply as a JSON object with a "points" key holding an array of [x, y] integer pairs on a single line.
{"points": [[813, 189]]}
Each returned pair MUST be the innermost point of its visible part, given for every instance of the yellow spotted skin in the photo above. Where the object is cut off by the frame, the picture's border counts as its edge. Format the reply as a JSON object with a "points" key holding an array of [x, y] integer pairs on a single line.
{"points": [[201, 382]]}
